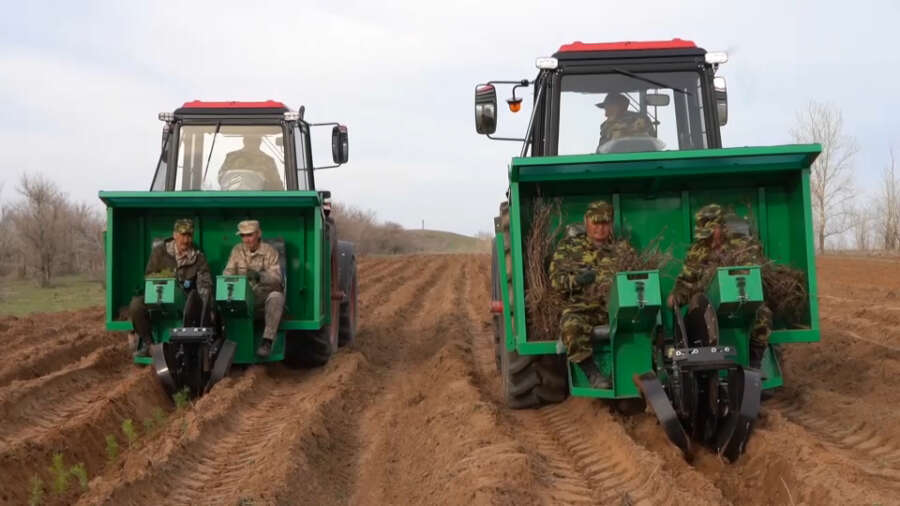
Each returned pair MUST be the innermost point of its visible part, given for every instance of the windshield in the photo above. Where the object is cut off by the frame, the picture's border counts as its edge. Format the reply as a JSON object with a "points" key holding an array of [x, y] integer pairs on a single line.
{"points": [[230, 157], [621, 112]]}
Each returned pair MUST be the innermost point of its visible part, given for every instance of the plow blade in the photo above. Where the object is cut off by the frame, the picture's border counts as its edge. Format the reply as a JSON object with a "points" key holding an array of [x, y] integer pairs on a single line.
{"points": [[656, 398], [222, 364], [745, 389], [161, 368]]}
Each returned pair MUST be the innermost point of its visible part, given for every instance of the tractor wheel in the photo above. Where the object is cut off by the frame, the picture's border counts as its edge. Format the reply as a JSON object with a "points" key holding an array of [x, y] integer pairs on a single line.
{"points": [[529, 381], [348, 315], [314, 348]]}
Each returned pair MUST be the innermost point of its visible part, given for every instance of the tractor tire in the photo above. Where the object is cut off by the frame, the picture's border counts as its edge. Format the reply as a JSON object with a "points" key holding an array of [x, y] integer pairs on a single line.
{"points": [[314, 348], [530, 381], [348, 314]]}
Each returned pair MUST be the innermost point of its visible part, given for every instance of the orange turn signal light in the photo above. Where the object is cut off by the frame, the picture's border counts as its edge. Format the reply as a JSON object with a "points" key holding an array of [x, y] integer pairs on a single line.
{"points": [[515, 104]]}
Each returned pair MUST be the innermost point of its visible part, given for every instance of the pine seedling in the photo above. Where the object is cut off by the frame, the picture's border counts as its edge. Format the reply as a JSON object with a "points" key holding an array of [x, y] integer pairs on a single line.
{"points": [[128, 430], [181, 399], [59, 473], [112, 447], [80, 474], [37, 491]]}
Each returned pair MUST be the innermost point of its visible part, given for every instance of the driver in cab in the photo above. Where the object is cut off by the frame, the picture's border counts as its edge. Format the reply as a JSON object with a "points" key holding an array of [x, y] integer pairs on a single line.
{"points": [[249, 168], [620, 122]]}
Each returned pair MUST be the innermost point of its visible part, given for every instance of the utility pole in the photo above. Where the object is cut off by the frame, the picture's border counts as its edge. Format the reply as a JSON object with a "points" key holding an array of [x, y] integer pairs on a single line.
{"points": [[423, 224]]}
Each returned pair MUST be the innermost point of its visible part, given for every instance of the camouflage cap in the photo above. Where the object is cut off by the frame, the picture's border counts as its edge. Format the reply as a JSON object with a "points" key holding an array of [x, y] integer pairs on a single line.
{"points": [[183, 226], [247, 227], [707, 219], [599, 212]]}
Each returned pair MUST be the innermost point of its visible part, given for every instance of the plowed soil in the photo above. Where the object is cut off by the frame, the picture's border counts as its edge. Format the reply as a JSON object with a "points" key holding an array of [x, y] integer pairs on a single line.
{"points": [[410, 413]]}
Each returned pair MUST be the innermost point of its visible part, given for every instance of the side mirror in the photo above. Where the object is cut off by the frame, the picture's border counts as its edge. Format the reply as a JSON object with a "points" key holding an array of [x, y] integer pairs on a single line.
{"points": [[720, 94], [657, 99], [340, 146], [485, 109]]}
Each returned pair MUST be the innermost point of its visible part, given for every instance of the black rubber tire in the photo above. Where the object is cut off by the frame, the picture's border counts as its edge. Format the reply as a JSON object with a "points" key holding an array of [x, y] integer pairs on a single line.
{"points": [[348, 313], [313, 348], [530, 381]]}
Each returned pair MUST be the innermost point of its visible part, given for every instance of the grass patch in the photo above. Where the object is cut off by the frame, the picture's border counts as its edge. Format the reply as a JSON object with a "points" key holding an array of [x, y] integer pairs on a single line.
{"points": [[22, 297]]}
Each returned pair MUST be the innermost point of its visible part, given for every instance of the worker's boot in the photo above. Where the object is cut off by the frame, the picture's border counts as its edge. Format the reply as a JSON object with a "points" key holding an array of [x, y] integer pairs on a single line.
{"points": [[265, 348], [596, 378]]}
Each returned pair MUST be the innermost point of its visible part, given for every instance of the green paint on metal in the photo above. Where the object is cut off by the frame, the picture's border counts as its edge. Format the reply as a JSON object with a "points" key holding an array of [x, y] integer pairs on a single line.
{"points": [[138, 220], [810, 253], [654, 196], [736, 293], [504, 293], [187, 199], [666, 164], [762, 224], [515, 237]]}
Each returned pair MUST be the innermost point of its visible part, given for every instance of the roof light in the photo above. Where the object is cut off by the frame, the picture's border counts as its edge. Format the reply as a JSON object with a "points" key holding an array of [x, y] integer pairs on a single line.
{"points": [[546, 63], [292, 115], [716, 57], [168, 117]]}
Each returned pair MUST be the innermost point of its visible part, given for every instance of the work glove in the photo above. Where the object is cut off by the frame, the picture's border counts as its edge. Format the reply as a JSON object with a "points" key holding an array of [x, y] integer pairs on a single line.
{"points": [[585, 277], [253, 276]]}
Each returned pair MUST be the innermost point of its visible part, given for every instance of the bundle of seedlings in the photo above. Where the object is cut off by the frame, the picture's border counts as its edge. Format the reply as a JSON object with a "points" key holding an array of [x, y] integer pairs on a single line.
{"points": [[784, 288], [785, 292], [543, 304]]}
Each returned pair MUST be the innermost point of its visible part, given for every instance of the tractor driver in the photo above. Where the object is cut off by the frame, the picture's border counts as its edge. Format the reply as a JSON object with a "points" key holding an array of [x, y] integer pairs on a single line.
{"points": [[620, 122], [712, 248], [260, 263], [249, 168], [582, 270], [180, 257]]}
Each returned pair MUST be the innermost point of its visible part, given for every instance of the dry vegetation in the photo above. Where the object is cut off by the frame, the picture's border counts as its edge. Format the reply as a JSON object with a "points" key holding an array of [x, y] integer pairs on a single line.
{"points": [[46, 235]]}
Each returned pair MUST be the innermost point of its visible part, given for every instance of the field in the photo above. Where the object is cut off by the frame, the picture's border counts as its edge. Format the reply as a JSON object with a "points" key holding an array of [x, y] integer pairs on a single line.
{"points": [[410, 414]]}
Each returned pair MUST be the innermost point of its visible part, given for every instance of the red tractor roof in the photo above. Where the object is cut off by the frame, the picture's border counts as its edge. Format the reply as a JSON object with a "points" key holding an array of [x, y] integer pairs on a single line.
{"points": [[199, 104], [579, 46]]}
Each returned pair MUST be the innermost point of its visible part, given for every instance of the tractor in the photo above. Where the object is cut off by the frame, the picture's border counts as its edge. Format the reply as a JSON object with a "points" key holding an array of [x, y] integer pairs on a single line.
{"points": [[318, 270], [695, 378]]}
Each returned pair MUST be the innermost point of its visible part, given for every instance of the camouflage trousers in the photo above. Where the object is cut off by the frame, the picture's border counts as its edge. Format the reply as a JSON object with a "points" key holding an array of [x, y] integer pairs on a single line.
{"points": [[760, 332], [269, 306], [576, 326]]}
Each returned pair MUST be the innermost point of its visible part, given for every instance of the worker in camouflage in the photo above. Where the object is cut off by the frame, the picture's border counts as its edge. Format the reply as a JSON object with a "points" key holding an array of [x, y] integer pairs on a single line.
{"points": [[582, 270], [712, 243], [179, 257], [261, 264], [620, 122]]}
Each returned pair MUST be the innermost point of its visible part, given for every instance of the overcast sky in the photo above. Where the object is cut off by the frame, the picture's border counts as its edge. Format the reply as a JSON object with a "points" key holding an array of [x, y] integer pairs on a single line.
{"points": [[81, 83]]}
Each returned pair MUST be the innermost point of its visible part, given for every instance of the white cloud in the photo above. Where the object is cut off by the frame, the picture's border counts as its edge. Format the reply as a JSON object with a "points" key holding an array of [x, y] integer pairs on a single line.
{"points": [[87, 86]]}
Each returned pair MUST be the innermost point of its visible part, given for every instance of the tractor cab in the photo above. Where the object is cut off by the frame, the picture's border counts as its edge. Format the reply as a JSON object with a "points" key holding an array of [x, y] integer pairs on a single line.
{"points": [[240, 146], [621, 97]]}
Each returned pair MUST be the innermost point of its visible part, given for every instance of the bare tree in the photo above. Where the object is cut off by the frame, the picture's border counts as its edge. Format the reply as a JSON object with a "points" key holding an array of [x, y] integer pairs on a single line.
{"points": [[39, 224], [830, 182], [888, 207], [861, 220]]}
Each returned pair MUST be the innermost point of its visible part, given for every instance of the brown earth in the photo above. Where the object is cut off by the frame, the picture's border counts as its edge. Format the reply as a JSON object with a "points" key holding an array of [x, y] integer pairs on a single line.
{"points": [[410, 413]]}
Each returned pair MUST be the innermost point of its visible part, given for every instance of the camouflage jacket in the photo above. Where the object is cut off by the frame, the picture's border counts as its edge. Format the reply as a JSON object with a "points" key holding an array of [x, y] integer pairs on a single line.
{"points": [[190, 265], [701, 262], [576, 253], [264, 260], [629, 125]]}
